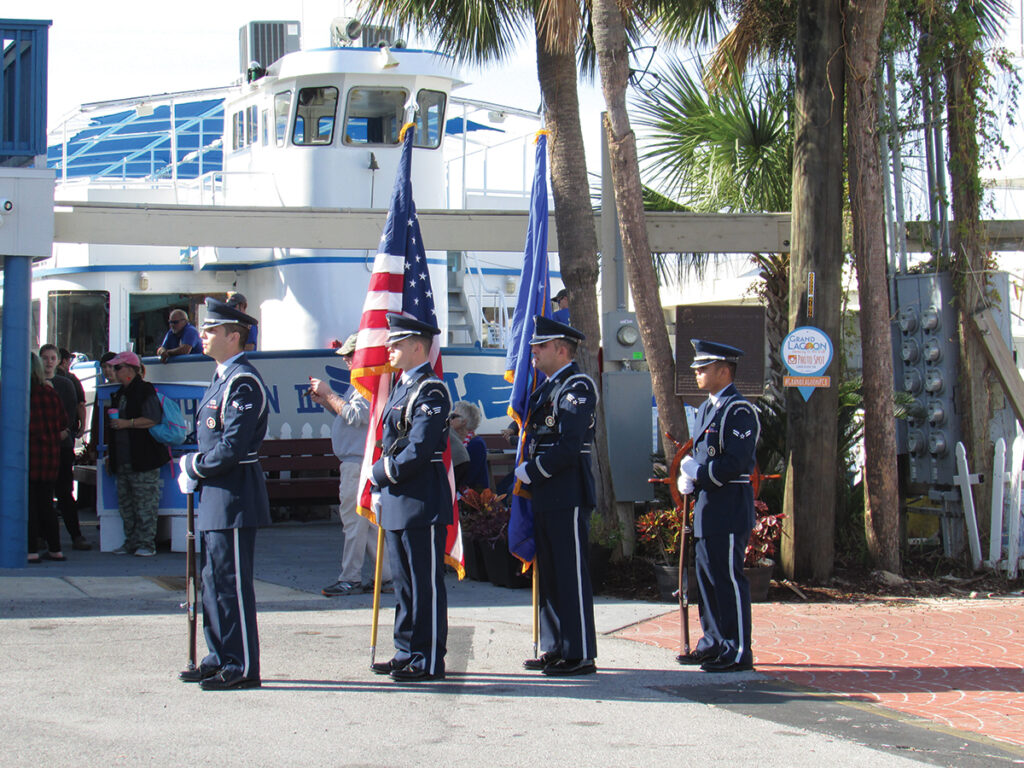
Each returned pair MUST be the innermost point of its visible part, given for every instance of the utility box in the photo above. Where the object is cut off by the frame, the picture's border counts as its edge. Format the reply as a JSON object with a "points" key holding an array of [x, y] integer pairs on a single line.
{"points": [[620, 336], [927, 367], [626, 398], [26, 212]]}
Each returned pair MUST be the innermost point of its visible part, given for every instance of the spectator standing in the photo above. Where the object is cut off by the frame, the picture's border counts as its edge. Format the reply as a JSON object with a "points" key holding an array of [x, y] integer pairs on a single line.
{"points": [[72, 396], [239, 302], [348, 441], [135, 457], [47, 428], [465, 420], [182, 337], [561, 302]]}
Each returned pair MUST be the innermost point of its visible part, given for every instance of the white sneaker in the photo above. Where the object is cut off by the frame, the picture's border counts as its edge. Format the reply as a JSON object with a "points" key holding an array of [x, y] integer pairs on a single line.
{"points": [[121, 551], [144, 552]]}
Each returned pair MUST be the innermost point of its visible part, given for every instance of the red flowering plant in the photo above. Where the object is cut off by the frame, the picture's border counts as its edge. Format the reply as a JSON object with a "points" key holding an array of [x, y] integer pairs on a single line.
{"points": [[659, 532], [764, 539], [483, 515]]}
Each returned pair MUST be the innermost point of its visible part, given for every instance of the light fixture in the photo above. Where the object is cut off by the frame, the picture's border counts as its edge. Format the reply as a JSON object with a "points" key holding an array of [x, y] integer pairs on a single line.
{"points": [[388, 61], [496, 116], [144, 109], [143, 281]]}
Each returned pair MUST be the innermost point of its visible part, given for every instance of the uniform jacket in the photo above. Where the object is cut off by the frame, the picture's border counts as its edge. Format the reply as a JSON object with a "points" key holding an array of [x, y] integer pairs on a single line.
{"points": [[231, 422], [726, 438], [414, 490], [561, 436]]}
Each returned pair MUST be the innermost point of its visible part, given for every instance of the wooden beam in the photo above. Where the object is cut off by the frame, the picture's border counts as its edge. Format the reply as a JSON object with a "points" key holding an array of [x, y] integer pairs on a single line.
{"points": [[1002, 360], [350, 228]]}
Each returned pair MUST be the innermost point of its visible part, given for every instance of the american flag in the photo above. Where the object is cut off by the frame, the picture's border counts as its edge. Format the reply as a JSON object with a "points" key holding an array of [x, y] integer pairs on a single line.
{"points": [[400, 282], [534, 299]]}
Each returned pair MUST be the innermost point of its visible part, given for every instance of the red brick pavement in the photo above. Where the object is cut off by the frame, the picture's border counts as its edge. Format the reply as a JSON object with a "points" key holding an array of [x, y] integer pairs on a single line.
{"points": [[957, 662]]}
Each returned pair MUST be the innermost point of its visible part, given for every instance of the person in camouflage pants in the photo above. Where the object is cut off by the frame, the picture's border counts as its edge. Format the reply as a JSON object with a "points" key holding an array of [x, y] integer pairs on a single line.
{"points": [[138, 499]]}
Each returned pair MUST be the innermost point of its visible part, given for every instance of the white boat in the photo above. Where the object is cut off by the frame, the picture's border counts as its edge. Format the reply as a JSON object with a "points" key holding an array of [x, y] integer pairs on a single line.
{"points": [[313, 129]]}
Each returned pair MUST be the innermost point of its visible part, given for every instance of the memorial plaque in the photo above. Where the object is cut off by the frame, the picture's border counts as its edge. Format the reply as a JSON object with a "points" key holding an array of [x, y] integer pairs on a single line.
{"points": [[741, 327]]}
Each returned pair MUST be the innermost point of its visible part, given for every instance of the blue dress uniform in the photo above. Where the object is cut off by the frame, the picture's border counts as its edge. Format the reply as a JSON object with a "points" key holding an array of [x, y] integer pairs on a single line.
{"points": [[231, 424], [561, 435], [726, 432], [415, 512]]}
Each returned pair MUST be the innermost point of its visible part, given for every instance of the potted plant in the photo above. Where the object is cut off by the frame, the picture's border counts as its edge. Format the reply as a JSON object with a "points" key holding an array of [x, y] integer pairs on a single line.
{"points": [[487, 518], [482, 517], [659, 531]]}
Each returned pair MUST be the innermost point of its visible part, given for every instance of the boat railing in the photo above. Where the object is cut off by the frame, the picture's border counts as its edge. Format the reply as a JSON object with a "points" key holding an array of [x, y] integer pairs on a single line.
{"points": [[498, 328]]}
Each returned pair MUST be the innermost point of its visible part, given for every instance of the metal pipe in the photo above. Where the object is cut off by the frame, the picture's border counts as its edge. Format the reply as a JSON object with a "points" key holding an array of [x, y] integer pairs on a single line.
{"points": [[14, 409], [897, 164]]}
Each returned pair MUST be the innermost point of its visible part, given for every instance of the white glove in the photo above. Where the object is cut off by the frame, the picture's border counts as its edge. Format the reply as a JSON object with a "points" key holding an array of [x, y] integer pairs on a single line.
{"points": [[689, 468], [521, 474], [685, 485], [187, 484]]}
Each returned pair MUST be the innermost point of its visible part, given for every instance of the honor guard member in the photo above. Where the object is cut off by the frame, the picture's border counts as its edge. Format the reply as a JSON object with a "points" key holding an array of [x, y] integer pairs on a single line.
{"points": [[231, 422], [717, 474], [415, 502], [560, 433]]}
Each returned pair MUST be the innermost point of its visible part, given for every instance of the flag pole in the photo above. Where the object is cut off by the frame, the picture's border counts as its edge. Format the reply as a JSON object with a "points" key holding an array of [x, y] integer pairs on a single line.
{"points": [[536, 612], [377, 569]]}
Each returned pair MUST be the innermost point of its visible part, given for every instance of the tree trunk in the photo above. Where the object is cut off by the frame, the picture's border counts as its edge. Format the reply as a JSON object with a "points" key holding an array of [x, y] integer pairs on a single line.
{"points": [[863, 30], [810, 496], [970, 262], [610, 40], [577, 238], [774, 291]]}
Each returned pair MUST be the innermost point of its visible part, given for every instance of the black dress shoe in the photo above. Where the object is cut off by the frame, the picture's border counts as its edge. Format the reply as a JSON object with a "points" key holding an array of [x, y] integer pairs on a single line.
{"points": [[413, 675], [724, 665], [196, 675], [569, 667], [542, 661], [385, 667], [229, 681], [695, 657]]}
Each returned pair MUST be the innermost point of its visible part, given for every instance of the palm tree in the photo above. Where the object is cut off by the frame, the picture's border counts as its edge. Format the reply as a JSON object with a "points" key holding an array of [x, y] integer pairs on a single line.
{"points": [[727, 149]]}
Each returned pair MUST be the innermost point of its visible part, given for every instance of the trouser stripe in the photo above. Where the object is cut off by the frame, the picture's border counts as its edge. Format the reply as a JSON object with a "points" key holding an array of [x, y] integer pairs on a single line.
{"points": [[241, 608], [741, 646], [579, 581]]}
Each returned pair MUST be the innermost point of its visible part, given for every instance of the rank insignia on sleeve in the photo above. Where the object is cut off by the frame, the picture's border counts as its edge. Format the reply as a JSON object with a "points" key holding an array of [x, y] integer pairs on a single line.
{"points": [[742, 435]]}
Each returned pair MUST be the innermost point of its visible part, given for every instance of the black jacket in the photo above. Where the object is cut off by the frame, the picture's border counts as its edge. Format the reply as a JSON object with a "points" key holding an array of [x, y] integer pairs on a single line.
{"points": [[146, 453]]}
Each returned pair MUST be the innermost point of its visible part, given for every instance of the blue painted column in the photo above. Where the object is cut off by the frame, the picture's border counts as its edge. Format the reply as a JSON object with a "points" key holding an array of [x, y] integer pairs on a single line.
{"points": [[14, 405]]}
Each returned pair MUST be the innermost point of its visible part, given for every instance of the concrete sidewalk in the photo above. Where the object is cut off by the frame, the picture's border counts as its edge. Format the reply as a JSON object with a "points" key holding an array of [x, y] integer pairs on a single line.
{"points": [[92, 648]]}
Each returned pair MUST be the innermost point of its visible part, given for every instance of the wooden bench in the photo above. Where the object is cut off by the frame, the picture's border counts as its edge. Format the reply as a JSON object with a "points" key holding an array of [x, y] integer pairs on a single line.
{"points": [[300, 471]]}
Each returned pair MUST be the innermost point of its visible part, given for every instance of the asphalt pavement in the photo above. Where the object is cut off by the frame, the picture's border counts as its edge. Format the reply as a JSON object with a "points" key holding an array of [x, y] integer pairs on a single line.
{"points": [[92, 648]]}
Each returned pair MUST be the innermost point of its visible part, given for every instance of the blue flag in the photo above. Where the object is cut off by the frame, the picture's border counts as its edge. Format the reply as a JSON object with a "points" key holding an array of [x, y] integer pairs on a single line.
{"points": [[534, 299]]}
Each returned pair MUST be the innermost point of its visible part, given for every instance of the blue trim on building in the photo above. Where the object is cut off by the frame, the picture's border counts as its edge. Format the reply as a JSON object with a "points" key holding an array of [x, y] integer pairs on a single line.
{"points": [[23, 88]]}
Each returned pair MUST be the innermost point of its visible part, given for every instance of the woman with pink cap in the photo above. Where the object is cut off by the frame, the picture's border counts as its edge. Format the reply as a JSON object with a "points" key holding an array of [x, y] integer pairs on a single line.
{"points": [[135, 457]]}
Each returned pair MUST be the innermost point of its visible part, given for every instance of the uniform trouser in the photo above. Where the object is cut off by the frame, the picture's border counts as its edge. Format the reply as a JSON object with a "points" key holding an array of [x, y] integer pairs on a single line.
{"points": [[229, 601], [65, 497], [566, 599], [41, 517], [724, 597], [360, 533], [138, 499], [421, 616]]}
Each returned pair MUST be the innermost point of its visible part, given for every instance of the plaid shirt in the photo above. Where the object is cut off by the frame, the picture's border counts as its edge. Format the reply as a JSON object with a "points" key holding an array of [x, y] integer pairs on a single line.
{"points": [[46, 421]]}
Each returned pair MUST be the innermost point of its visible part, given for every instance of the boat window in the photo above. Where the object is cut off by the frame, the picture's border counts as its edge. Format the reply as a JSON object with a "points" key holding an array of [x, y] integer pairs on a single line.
{"points": [[314, 116], [282, 104], [238, 130], [79, 321], [429, 118], [374, 115], [264, 136], [251, 125]]}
